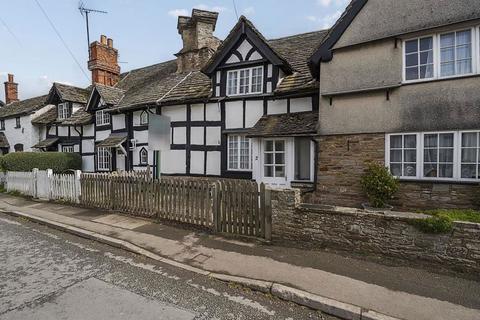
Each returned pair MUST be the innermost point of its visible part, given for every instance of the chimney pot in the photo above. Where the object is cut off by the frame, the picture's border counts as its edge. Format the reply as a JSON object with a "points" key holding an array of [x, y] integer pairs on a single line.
{"points": [[110, 43], [103, 62], [103, 39], [11, 90], [10, 77]]}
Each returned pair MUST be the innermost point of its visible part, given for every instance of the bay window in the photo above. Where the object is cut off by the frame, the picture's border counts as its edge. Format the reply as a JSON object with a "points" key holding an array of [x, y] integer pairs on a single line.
{"points": [[239, 153], [441, 55], [245, 81], [434, 155]]}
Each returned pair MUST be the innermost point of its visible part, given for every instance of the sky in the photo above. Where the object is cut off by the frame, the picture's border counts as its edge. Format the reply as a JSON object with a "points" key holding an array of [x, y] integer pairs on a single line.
{"points": [[144, 32]]}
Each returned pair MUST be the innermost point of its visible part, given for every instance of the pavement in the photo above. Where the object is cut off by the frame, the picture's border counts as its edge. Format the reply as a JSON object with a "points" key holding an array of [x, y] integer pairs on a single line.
{"points": [[49, 274], [329, 281]]}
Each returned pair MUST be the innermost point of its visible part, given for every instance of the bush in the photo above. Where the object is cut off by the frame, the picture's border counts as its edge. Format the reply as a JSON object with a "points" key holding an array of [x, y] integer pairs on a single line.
{"points": [[435, 224], [379, 185], [468, 215], [26, 161]]}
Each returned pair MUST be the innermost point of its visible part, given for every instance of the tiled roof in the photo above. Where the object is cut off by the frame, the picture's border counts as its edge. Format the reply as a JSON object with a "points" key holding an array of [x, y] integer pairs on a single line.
{"points": [[113, 141], [288, 124], [297, 50], [4, 141], [46, 117], [79, 117], [71, 93], [46, 143], [110, 95], [22, 107]]}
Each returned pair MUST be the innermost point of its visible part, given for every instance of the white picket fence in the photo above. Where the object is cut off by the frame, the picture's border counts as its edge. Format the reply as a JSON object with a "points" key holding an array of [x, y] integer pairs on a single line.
{"points": [[46, 185]]}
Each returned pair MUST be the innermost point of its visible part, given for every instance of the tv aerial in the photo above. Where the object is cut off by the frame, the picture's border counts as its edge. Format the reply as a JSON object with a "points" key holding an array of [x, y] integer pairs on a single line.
{"points": [[85, 12]]}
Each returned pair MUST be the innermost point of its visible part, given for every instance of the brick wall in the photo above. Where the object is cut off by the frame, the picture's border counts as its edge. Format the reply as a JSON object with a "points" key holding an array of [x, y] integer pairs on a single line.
{"points": [[342, 161], [391, 234]]}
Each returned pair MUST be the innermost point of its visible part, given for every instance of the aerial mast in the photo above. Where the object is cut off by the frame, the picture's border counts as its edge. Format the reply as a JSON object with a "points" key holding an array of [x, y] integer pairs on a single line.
{"points": [[84, 12]]}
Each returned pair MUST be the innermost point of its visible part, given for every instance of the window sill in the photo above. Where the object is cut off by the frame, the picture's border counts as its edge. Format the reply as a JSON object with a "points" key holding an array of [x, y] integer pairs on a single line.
{"points": [[435, 181], [466, 76]]}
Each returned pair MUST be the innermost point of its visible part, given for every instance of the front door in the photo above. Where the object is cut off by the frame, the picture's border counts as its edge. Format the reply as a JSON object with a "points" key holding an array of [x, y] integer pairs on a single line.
{"points": [[274, 160]]}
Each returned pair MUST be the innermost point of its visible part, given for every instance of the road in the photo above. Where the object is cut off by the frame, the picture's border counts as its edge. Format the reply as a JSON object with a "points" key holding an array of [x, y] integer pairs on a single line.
{"points": [[48, 274]]}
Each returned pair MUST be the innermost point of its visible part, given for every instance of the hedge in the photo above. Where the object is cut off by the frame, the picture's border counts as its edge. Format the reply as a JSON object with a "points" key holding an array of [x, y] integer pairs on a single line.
{"points": [[26, 161]]}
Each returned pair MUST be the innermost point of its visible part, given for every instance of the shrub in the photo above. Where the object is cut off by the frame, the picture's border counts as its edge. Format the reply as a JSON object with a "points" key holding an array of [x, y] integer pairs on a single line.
{"points": [[379, 185], [435, 224], [26, 161]]}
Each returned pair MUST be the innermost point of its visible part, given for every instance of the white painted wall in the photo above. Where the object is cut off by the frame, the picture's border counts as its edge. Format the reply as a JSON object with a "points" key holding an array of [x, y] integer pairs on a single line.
{"points": [[234, 114], [301, 104], [88, 145], [102, 135], [141, 136], [179, 135], [176, 113], [88, 164], [214, 136], [214, 163], [197, 162], [277, 106], [197, 135], [173, 161], [197, 112], [88, 130], [213, 112], [118, 121], [253, 112], [27, 134]]}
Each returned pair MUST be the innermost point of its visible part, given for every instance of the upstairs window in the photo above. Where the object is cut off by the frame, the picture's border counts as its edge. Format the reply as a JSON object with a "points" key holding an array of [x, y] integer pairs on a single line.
{"points": [[143, 156], [442, 55], [102, 118], [68, 149], [245, 81], [63, 111], [144, 118]]}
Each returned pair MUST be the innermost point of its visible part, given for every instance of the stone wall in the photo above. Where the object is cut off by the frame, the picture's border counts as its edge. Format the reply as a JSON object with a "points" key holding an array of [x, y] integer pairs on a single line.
{"points": [[343, 160], [391, 234]]}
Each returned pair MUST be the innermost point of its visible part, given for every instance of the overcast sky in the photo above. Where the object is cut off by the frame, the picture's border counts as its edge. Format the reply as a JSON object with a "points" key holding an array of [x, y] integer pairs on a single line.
{"points": [[144, 32]]}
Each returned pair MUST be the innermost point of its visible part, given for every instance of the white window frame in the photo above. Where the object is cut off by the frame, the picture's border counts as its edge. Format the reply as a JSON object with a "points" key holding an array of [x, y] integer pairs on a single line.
{"points": [[436, 55], [229, 168], [143, 156], [104, 164], [144, 115], [102, 118], [68, 149], [457, 156], [62, 110], [250, 78]]}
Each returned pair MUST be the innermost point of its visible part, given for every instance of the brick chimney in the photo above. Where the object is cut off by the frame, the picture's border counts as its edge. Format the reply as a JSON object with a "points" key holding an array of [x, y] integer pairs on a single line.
{"points": [[11, 90], [199, 43], [104, 62]]}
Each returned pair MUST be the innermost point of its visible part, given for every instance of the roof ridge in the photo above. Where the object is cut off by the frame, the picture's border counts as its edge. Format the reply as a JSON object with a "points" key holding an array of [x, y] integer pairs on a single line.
{"points": [[149, 66], [298, 34]]}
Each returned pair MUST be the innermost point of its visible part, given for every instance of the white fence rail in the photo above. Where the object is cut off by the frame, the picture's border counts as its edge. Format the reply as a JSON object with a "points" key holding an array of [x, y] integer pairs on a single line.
{"points": [[46, 185]]}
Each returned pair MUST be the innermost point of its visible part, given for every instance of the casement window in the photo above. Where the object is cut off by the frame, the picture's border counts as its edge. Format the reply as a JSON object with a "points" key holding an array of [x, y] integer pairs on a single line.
{"points": [[239, 153], [143, 156], [245, 81], [2, 124], [450, 155], [274, 159], [104, 159], [303, 159], [68, 149], [144, 118], [17, 123], [442, 55], [102, 118], [63, 111]]}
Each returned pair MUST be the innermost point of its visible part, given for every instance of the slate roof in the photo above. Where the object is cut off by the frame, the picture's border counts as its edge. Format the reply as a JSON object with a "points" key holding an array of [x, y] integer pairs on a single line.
{"points": [[288, 124], [4, 141], [113, 141], [71, 93], [110, 95], [297, 50], [79, 117], [46, 143], [47, 117], [23, 107]]}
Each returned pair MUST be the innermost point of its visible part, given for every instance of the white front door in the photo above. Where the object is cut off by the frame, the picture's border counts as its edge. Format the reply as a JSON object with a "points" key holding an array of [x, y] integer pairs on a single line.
{"points": [[274, 162]]}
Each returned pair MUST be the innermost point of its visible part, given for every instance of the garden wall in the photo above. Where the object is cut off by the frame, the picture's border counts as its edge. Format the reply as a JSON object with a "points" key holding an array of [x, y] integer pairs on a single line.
{"points": [[390, 234]]}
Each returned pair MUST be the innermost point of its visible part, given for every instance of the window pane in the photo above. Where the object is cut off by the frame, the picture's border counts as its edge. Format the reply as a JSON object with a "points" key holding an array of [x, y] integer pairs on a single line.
{"points": [[268, 171], [411, 73], [410, 170], [469, 139], [411, 46], [430, 140], [447, 54], [447, 40], [426, 44], [446, 155], [430, 170], [302, 158], [469, 155], [464, 67], [280, 158], [469, 171], [426, 71], [410, 156], [396, 156], [411, 60], [446, 140], [279, 145], [464, 52], [426, 57], [269, 145], [279, 171], [269, 158], [446, 170], [396, 170], [410, 141], [396, 142], [464, 37], [448, 69], [430, 155]]}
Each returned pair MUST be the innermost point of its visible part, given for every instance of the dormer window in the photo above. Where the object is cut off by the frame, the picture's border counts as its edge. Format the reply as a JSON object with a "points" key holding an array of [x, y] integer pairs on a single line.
{"points": [[245, 81], [63, 111]]}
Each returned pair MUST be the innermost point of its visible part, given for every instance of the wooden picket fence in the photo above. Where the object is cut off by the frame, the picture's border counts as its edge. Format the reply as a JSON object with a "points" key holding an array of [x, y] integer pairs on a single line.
{"points": [[229, 206], [23, 182]]}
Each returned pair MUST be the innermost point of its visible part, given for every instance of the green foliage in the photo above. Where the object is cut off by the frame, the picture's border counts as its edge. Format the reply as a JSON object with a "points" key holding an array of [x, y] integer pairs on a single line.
{"points": [[434, 224], [468, 215], [379, 185], [26, 161]]}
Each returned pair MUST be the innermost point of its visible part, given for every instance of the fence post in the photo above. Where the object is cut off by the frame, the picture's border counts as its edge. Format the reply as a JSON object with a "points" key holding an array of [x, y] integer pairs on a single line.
{"points": [[78, 186], [268, 214], [112, 192], [49, 173], [34, 182], [216, 206]]}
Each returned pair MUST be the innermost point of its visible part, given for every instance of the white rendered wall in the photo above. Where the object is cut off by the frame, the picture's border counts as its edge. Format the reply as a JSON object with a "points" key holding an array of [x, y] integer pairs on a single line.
{"points": [[118, 121], [173, 161], [277, 106], [213, 112], [253, 112], [88, 164], [197, 161], [214, 163], [176, 113], [234, 114], [197, 136], [301, 104]]}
